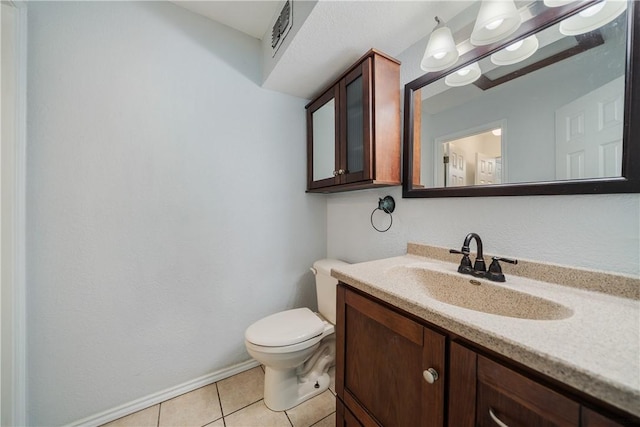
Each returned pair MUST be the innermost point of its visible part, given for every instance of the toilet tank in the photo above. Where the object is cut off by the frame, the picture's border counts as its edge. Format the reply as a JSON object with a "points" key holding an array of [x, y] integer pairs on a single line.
{"points": [[326, 287]]}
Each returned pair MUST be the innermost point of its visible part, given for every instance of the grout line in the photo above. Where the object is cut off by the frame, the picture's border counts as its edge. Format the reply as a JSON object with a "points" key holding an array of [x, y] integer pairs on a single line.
{"points": [[158, 422], [289, 419], [317, 422], [220, 402]]}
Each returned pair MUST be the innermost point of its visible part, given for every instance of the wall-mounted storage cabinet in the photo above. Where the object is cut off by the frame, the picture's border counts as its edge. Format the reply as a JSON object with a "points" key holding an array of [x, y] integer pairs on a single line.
{"points": [[353, 128]]}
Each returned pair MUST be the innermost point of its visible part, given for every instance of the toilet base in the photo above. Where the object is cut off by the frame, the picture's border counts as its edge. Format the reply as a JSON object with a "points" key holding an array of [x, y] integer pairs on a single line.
{"points": [[282, 390], [286, 388]]}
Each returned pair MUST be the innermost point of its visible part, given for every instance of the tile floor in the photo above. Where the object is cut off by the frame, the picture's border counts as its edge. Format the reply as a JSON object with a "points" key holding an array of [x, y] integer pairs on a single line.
{"points": [[234, 402]]}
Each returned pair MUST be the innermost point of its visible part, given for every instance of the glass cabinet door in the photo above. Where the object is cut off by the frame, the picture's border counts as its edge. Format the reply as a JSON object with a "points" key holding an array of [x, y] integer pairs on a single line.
{"points": [[324, 141], [356, 130]]}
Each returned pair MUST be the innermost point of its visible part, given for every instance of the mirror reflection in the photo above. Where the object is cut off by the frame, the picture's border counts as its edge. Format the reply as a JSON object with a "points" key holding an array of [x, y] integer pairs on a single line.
{"points": [[549, 107]]}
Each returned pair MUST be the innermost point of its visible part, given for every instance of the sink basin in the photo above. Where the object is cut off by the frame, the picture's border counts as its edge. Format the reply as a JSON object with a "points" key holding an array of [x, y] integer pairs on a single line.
{"points": [[479, 295]]}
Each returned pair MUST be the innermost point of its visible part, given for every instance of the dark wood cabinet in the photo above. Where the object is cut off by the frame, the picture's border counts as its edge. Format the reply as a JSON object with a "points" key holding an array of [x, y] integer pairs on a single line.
{"points": [[504, 396], [353, 128], [383, 362]]}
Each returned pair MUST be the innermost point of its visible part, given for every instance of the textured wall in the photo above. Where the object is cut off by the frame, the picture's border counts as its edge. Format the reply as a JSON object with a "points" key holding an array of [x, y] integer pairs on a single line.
{"points": [[165, 202], [598, 232]]}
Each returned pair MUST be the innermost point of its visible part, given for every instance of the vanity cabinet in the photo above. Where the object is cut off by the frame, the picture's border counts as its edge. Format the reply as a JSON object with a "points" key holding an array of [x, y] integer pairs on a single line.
{"points": [[381, 357], [383, 378], [353, 128]]}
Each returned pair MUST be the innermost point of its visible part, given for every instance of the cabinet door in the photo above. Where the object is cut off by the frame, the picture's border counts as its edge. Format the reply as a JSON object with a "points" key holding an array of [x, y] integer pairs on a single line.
{"points": [[344, 417], [462, 386], [323, 141], [594, 419], [505, 397], [381, 363], [356, 124]]}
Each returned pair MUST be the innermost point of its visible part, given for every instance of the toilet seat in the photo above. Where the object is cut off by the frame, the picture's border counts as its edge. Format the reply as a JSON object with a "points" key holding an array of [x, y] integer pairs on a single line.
{"points": [[287, 331]]}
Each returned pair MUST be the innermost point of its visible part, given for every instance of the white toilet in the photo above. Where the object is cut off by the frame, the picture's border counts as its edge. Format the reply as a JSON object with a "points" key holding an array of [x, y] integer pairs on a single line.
{"points": [[297, 347]]}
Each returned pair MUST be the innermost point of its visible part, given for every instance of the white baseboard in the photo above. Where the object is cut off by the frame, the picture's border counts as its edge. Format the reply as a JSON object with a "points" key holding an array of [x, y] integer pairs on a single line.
{"points": [[153, 399]]}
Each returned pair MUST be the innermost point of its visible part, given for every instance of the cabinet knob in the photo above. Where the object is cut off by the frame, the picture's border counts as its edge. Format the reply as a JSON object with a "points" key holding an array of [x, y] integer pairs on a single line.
{"points": [[335, 173], [430, 375], [341, 172]]}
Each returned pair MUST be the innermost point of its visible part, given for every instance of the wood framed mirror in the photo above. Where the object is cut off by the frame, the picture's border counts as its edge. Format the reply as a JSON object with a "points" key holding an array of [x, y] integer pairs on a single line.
{"points": [[563, 120]]}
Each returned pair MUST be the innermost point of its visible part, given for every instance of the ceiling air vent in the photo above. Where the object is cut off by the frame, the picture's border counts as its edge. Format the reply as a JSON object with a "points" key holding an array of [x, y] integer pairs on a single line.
{"points": [[282, 26]]}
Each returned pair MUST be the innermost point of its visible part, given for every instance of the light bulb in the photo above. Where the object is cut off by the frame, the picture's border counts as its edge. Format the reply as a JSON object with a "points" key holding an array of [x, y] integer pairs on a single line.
{"points": [[494, 24], [497, 132], [464, 71], [515, 46], [592, 10], [439, 55]]}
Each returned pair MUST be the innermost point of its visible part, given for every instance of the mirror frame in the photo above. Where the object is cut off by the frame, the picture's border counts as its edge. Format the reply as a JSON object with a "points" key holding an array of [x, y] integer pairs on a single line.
{"points": [[629, 182]]}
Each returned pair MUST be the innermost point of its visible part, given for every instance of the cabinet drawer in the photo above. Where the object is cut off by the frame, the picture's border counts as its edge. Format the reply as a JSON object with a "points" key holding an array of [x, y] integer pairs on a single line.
{"points": [[504, 396]]}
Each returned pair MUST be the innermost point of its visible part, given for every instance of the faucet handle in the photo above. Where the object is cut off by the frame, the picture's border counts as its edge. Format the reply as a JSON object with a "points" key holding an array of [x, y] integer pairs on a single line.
{"points": [[495, 271], [455, 251], [510, 261], [465, 262]]}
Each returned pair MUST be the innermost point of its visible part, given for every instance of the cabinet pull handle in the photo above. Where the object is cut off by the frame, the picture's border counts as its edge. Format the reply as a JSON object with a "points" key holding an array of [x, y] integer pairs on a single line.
{"points": [[496, 419], [430, 375]]}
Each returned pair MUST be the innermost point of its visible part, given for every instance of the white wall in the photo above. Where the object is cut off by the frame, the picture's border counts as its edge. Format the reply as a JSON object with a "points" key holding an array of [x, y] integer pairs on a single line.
{"points": [[590, 231], [165, 202]]}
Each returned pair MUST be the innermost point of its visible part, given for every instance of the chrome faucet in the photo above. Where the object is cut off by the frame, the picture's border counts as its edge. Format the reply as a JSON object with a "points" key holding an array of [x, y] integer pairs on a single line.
{"points": [[479, 268]]}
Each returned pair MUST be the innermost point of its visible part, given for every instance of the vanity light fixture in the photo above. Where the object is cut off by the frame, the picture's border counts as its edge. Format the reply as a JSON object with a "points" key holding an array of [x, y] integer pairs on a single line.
{"points": [[592, 17], [441, 51], [516, 52], [496, 20], [497, 132], [464, 76]]}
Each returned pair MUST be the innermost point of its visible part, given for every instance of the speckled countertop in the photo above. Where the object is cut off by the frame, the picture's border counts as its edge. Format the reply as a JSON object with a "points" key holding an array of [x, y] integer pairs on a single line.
{"points": [[591, 342]]}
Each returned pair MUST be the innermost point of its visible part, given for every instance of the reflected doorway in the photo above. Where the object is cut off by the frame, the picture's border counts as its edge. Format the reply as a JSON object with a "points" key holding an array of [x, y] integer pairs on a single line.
{"points": [[473, 159]]}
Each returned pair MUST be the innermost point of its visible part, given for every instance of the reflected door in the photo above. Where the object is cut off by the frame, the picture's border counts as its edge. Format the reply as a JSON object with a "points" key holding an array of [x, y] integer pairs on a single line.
{"points": [[486, 169], [456, 170], [589, 134]]}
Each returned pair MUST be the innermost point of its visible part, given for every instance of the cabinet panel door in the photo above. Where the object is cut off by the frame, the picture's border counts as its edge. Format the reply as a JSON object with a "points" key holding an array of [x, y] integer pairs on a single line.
{"points": [[514, 400], [356, 124], [323, 141], [433, 357], [385, 355], [594, 419], [344, 417], [462, 386]]}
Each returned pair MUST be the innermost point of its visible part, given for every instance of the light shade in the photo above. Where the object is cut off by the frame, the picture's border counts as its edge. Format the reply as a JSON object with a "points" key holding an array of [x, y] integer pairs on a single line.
{"points": [[464, 76], [593, 17], [516, 52], [557, 3], [496, 20], [441, 51]]}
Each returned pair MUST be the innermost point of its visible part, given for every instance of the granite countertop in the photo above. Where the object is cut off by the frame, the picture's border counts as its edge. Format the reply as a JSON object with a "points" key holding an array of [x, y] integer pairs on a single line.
{"points": [[593, 344]]}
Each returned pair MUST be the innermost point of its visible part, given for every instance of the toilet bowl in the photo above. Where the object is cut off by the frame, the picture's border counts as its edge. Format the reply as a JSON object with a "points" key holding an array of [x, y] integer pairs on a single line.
{"points": [[297, 347]]}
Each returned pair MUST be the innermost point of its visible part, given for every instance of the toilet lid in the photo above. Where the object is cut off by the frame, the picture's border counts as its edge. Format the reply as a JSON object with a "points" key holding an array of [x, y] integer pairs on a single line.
{"points": [[285, 328]]}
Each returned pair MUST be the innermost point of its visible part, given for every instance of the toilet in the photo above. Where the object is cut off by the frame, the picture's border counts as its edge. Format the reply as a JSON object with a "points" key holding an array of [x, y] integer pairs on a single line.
{"points": [[297, 347]]}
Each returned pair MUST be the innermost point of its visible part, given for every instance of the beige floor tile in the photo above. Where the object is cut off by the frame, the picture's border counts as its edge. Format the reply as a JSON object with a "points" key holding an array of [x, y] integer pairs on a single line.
{"points": [[145, 418], [257, 415], [312, 410], [220, 423], [241, 390], [329, 421], [196, 408]]}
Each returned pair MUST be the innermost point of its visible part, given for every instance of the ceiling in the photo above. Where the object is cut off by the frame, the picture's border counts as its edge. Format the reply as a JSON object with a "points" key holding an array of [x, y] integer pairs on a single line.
{"points": [[332, 37], [251, 17]]}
